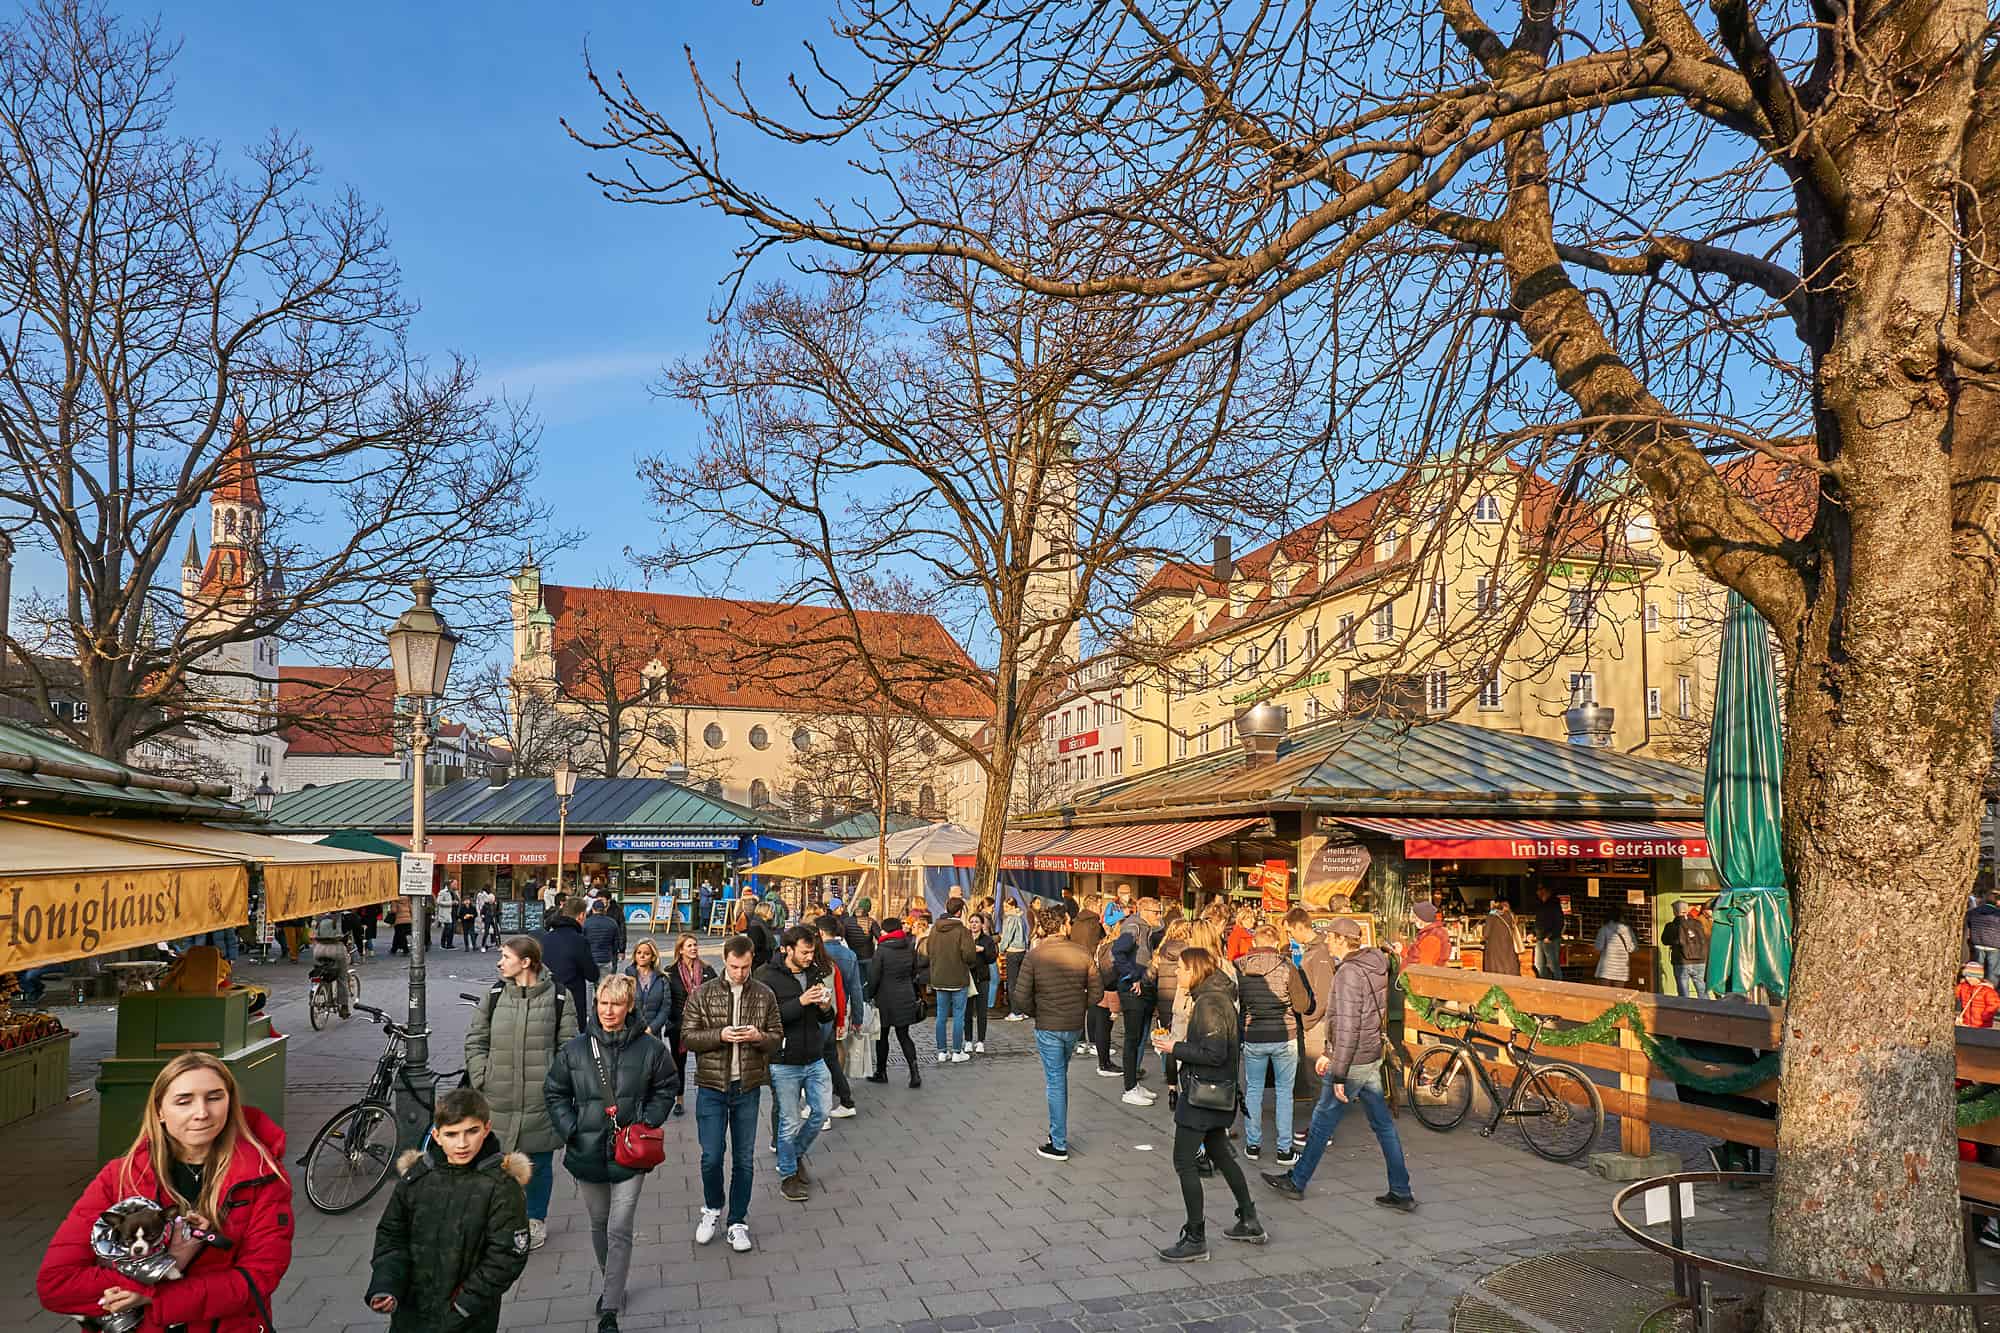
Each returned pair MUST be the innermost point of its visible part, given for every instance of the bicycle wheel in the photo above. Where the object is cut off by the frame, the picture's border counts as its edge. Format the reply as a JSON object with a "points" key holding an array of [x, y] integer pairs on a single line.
{"points": [[353, 987], [350, 1157], [319, 1004], [1441, 1088], [1559, 1112]]}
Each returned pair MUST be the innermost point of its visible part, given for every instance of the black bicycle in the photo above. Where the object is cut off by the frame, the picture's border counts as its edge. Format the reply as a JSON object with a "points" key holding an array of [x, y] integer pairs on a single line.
{"points": [[323, 995], [1555, 1104]]}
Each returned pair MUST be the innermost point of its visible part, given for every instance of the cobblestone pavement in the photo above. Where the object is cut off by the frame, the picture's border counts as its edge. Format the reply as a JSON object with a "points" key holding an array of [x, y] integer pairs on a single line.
{"points": [[931, 1210]]}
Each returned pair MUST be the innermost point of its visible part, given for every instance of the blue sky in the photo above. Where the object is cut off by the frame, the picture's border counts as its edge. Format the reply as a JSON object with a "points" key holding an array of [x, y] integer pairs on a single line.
{"points": [[445, 118]]}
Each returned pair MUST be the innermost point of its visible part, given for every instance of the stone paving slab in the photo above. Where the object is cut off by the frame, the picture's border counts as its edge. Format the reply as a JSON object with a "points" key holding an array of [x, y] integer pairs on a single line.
{"points": [[933, 1210]]}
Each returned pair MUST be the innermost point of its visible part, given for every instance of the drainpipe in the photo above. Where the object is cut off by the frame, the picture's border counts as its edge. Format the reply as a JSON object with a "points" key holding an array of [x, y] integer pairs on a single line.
{"points": [[1645, 674]]}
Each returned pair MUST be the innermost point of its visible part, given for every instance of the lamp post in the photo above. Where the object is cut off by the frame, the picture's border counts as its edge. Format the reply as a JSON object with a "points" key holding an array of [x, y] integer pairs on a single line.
{"points": [[565, 788], [420, 649], [264, 796]]}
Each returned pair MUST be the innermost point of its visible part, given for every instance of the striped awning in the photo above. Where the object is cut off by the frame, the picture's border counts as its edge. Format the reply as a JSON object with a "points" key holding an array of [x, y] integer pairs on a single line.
{"points": [[1118, 849], [1541, 839]]}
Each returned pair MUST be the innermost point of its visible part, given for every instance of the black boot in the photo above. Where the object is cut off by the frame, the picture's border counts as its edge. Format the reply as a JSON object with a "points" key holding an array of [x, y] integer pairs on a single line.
{"points": [[879, 1076], [1191, 1248], [1247, 1229], [916, 1079]]}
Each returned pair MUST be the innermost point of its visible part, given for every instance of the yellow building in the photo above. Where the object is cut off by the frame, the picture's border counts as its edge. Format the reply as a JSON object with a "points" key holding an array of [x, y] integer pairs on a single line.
{"points": [[1480, 598]]}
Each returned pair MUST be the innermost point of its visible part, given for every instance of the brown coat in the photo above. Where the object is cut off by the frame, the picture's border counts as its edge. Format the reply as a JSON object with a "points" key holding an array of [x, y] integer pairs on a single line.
{"points": [[1502, 941], [707, 1013], [1058, 983]]}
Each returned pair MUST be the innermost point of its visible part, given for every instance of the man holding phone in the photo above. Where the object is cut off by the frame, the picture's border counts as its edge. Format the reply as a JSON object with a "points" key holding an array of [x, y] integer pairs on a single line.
{"points": [[805, 1007], [732, 1025]]}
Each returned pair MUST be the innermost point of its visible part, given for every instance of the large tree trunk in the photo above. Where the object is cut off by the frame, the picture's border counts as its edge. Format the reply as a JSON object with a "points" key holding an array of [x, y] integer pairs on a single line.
{"points": [[993, 824]]}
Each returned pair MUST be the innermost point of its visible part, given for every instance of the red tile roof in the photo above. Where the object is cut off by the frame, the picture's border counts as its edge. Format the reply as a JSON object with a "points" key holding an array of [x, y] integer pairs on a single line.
{"points": [[724, 653], [236, 479], [337, 710]]}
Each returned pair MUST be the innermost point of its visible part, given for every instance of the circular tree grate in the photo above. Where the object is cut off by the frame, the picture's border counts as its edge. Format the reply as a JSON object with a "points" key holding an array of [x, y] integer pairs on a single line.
{"points": [[1582, 1291]]}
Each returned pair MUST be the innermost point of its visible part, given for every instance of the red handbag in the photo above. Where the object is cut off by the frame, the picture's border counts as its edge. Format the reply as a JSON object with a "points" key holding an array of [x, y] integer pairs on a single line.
{"points": [[637, 1146]]}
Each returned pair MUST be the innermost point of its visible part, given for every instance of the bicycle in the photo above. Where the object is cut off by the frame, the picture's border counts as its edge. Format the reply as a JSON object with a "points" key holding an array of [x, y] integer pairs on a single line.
{"points": [[1555, 1104], [322, 1001]]}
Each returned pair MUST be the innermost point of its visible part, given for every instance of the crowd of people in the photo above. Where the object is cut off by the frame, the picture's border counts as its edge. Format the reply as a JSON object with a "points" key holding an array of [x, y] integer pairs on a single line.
{"points": [[580, 1056]]}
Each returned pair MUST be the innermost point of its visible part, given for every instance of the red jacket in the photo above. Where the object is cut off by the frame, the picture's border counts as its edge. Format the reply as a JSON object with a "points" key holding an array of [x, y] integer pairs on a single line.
{"points": [[1239, 943], [1432, 946], [1977, 1003], [224, 1290]]}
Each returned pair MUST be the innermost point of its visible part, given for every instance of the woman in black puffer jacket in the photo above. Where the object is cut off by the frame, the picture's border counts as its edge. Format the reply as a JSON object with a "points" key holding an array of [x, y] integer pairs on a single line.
{"points": [[897, 975], [643, 1085], [1209, 1052]]}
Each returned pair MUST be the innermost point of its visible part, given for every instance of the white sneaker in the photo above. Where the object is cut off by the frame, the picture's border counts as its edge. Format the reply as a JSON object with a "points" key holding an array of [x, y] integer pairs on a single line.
{"points": [[538, 1233], [1102, 1072], [711, 1222], [959, 1057], [1015, 1018], [739, 1238], [842, 1112], [1137, 1097], [944, 1057], [979, 1048]]}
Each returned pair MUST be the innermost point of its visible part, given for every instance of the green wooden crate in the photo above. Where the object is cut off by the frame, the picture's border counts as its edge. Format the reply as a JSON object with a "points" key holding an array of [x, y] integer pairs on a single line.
{"points": [[123, 1085], [160, 1023], [34, 1078]]}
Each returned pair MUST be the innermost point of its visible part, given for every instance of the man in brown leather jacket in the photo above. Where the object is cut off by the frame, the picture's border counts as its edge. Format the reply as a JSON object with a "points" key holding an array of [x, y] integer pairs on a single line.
{"points": [[731, 1024]]}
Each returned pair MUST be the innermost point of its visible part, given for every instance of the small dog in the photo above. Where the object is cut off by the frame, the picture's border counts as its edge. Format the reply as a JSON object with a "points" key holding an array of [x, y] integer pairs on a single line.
{"points": [[144, 1231]]}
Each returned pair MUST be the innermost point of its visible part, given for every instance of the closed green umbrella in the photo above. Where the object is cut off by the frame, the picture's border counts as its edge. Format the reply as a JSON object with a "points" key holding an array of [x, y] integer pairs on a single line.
{"points": [[1751, 945]]}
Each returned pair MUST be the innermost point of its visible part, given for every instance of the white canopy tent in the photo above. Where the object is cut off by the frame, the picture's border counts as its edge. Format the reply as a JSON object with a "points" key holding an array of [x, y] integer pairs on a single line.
{"points": [[920, 866]]}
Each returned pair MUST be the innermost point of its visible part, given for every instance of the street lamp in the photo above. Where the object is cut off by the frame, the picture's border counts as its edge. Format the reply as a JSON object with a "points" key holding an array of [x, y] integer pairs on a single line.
{"points": [[565, 788], [264, 796], [420, 649]]}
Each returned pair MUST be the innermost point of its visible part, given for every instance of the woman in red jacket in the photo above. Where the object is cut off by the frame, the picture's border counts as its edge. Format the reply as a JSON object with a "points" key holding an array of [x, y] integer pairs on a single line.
{"points": [[220, 1165]]}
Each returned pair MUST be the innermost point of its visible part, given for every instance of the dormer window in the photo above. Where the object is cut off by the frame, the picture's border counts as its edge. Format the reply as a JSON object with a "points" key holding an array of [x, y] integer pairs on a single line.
{"points": [[1640, 531], [1386, 542], [1486, 509], [1281, 585], [1239, 600]]}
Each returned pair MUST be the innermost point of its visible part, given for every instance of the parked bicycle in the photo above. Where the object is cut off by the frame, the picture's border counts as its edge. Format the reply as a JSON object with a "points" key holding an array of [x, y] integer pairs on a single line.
{"points": [[323, 999], [1555, 1104]]}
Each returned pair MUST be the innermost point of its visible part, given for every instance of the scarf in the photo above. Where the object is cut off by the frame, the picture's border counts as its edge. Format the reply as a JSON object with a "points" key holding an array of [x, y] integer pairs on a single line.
{"points": [[690, 974]]}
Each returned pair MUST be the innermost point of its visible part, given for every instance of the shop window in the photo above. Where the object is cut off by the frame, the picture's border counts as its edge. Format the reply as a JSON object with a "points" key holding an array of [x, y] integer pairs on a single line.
{"points": [[711, 736], [760, 739], [760, 793]]}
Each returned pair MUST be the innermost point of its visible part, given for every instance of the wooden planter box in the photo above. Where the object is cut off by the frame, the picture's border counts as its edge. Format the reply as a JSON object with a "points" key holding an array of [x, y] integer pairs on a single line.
{"points": [[34, 1078]]}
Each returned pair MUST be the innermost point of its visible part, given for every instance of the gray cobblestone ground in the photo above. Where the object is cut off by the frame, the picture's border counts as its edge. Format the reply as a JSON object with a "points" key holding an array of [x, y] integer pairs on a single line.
{"points": [[932, 1212]]}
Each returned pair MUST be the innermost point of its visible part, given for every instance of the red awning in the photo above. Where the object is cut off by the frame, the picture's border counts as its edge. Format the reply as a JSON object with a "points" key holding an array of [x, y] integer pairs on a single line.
{"points": [[1015, 849], [1119, 849], [518, 849], [1541, 839]]}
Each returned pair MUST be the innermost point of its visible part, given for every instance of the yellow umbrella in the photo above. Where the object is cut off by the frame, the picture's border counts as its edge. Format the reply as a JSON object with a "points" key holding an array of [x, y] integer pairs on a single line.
{"points": [[807, 865]]}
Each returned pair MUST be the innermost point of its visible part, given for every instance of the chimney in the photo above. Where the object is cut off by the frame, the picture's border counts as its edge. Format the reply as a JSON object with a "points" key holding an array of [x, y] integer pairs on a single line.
{"points": [[497, 772], [1223, 566], [675, 773], [1260, 729], [1590, 724]]}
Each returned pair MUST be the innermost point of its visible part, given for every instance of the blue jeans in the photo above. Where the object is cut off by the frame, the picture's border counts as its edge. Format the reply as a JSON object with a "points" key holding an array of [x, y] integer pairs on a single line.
{"points": [[1547, 956], [541, 1183], [951, 1006], [1691, 978], [732, 1114], [1364, 1085], [1055, 1048], [795, 1136], [1282, 1056]]}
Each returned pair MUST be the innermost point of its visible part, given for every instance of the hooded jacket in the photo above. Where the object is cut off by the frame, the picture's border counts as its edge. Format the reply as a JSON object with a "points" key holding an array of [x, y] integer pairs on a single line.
{"points": [[1209, 1048], [1360, 1004], [452, 1240], [1058, 982], [566, 957], [655, 1002], [842, 960], [646, 1083], [895, 974], [225, 1290], [1273, 995], [513, 1040], [950, 950], [708, 1012]]}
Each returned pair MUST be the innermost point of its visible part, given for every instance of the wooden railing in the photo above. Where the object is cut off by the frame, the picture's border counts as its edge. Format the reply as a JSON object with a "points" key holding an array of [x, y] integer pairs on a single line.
{"points": [[1754, 1026]]}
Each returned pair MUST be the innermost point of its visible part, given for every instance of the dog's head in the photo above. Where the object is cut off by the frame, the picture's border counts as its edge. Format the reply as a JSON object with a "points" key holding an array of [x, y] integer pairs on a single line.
{"points": [[144, 1231]]}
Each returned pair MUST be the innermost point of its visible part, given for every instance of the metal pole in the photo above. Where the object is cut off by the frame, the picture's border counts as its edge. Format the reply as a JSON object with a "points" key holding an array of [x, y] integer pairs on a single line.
{"points": [[562, 830], [413, 1113]]}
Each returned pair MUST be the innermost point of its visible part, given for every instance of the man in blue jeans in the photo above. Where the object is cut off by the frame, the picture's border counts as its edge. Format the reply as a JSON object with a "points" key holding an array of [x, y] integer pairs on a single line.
{"points": [[804, 1010], [1351, 1069], [731, 1024], [1057, 984]]}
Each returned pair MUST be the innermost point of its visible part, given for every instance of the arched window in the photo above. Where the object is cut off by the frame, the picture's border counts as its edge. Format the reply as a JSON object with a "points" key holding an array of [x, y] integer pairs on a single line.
{"points": [[712, 787], [801, 801], [802, 740], [926, 798], [711, 736], [760, 794], [760, 739], [229, 522]]}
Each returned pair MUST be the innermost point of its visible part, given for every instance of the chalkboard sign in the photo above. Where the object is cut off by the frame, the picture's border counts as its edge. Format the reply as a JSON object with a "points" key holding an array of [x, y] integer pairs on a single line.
{"points": [[510, 917], [718, 917]]}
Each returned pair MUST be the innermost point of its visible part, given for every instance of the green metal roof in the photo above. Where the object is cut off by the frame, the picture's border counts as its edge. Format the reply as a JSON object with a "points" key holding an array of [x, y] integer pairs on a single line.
{"points": [[474, 805], [863, 824], [39, 771], [1383, 766]]}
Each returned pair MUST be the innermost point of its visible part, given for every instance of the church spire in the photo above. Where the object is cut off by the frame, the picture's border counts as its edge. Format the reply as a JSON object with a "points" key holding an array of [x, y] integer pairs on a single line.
{"points": [[193, 558]]}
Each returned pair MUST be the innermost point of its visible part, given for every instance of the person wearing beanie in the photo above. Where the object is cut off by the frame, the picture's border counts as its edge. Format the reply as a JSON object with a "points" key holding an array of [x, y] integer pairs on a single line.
{"points": [[1977, 1000], [1432, 947]]}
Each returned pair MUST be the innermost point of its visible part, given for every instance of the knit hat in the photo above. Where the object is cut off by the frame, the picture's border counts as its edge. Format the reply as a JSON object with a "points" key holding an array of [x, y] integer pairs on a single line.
{"points": [[1975, 969], [1425, 912]]}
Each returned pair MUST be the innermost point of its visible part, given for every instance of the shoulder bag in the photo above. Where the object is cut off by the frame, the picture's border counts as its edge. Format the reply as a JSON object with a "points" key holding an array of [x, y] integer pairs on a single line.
{"points": [[1208, 1092], [635, 1146]]}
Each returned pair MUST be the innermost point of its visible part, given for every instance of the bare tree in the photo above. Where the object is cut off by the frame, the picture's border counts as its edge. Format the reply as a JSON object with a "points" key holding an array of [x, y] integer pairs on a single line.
{"points": [[1654, 236], [168, 323], [884, 757], [618, 671], [944, 444]]}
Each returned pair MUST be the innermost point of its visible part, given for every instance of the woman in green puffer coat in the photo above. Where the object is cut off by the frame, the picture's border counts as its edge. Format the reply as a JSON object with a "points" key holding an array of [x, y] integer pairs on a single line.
{"points": [[521, 1024]]}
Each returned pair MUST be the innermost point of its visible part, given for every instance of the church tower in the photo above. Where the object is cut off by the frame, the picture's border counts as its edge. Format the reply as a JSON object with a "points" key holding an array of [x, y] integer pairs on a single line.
{"points": [[1052, 556], [534, 673], [238, 679]]}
